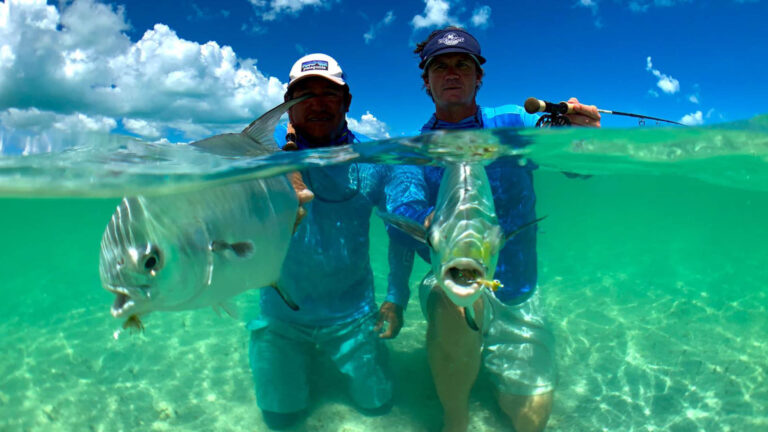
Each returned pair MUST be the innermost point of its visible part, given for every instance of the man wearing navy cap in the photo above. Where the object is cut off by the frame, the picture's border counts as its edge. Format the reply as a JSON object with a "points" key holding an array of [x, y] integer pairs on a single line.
{"points": [[514, 342], [328, 272]]}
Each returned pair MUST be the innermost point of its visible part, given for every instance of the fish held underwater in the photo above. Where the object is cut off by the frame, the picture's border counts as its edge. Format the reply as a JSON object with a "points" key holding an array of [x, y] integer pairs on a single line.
{"points": [[464, 237], [200, 248]]}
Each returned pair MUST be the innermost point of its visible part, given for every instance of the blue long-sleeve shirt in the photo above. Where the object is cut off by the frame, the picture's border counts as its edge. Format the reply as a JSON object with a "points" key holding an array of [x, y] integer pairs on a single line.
{"points": [[327, 272]]}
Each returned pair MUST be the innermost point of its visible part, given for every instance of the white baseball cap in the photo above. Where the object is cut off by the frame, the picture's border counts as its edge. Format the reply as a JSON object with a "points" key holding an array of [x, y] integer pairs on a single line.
{"points": [[320, 65]]}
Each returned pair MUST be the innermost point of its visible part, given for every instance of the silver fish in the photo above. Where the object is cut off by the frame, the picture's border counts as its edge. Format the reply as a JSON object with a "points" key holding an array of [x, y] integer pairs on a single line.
{"points": [[195, 249], [464, 236]]}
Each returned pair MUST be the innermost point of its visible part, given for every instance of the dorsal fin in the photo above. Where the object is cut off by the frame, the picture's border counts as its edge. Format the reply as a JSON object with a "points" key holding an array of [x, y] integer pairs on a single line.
{"points": [[257, 139], [262, 130]]}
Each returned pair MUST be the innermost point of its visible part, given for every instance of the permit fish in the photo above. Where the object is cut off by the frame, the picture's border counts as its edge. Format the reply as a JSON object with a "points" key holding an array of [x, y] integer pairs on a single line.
{"points": [[464, 237], [200, 248]]}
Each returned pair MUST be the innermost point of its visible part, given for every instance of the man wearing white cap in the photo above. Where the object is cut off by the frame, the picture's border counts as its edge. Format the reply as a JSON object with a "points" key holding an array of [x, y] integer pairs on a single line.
{"points": [[328, 272]]}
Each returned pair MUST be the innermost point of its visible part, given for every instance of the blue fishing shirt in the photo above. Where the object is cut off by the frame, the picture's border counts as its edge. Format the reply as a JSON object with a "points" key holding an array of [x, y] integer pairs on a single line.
{"points": [[327, 272], [513, 197]]}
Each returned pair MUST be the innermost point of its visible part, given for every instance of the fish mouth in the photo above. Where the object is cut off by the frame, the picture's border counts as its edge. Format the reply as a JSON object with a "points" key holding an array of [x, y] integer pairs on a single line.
{"points": [[125, 299], [461, 278]]}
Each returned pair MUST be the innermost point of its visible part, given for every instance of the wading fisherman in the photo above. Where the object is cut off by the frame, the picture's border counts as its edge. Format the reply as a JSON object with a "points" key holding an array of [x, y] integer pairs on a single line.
{"points": [[514, 342], [328, 272]]}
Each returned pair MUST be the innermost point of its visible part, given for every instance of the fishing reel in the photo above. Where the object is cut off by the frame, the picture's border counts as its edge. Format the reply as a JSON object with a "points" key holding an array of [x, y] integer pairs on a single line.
{"points": [[553, 120], [555, 113]]}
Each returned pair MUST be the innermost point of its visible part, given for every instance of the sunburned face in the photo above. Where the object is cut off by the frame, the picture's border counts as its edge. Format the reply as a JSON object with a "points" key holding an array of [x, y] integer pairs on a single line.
{"points": [[453, 79], [321, 118]]}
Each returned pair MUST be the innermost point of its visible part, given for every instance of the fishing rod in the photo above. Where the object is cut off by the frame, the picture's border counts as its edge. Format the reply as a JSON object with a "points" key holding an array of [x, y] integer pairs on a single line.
{"points": [[556, 113]]}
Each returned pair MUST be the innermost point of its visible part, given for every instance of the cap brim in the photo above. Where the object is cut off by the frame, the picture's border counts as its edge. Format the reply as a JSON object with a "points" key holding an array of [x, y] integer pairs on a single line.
{"points": [[334, 80], [450, 50]]}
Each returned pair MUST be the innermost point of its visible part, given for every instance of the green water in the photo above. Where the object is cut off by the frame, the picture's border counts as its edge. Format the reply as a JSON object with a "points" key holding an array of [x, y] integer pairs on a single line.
{"points": [[655, 286]]}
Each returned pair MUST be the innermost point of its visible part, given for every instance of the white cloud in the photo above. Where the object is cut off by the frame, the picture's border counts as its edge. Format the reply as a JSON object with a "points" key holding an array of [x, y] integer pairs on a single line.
{"points": [[369, 126], [270, 10], [435, 15], [592, 6], [694, 96], [27, 131], [35, 120], [142, 127], [481, 16], [666, 83], [375, 28], [693, 119], [644, 5], [653, 93], [78, 60]]}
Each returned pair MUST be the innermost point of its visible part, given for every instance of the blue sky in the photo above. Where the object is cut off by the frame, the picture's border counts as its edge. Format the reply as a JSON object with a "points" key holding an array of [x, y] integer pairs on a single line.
{"points": [[177, 70]]}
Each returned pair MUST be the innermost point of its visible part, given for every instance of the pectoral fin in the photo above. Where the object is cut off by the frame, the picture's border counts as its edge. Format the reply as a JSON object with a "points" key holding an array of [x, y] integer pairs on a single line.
{"points": [[243, 249], [469, 316], [283, 295], [228, 307], [408, 226], [522, 227]]}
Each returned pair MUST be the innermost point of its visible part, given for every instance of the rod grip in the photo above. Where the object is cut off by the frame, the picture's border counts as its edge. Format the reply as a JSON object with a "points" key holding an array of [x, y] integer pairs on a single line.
{"points": [[533, 105]]}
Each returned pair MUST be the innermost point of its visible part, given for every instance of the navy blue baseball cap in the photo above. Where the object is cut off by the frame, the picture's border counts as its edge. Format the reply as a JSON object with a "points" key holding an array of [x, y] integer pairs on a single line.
{"points": [[451, 41]]}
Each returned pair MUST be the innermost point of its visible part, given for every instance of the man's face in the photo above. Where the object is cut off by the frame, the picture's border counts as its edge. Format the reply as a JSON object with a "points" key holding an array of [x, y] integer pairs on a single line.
{"points": [[319, 119], [452, 79]]}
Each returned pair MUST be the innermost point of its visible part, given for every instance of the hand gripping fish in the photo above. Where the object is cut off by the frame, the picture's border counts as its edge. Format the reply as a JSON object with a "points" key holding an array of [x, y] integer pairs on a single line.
{"points": [[195, 249], [464, 237]]}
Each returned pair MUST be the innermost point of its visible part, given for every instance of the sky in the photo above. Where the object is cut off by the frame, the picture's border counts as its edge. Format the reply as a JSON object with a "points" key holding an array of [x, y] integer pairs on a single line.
{"points": [[183, 71]]}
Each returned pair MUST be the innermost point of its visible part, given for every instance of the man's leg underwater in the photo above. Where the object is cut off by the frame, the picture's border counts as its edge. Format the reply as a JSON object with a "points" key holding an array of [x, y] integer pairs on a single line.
{"points": [[453, 350], [362, 356], [279, 366], [528, 413]]}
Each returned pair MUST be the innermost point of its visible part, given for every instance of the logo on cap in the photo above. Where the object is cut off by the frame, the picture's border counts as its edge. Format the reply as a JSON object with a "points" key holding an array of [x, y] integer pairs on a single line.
{"points": [[451, 39], [314, 65]]}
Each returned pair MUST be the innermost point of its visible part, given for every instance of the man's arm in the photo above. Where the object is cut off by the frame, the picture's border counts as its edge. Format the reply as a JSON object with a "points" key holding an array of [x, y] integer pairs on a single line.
{"points": [[400, 259], [404, 188]]}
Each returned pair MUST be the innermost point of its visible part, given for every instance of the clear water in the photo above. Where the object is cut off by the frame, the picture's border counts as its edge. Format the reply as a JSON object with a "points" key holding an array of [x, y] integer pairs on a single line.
{"points": [[653, 272]]}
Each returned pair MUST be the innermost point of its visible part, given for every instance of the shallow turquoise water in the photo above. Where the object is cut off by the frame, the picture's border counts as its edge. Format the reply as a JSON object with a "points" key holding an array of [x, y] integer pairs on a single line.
{"points": [[654, 282]]}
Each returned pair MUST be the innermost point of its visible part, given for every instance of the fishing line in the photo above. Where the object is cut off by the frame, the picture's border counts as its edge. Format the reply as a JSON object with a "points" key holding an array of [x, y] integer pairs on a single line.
{"points": [[556, 113]]}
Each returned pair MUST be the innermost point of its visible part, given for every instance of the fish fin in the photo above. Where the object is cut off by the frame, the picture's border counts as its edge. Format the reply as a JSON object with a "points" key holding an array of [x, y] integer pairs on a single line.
{"points": [[469, 316], [522, 227], [242, 249], [262, 130], [217, 309], [283, 295], [408, 226], [257, 139], [134, 324], [229, 307]]}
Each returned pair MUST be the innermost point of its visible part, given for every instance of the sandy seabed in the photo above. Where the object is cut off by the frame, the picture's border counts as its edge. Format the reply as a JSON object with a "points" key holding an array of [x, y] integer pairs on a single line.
{"points": [[629, 359]]}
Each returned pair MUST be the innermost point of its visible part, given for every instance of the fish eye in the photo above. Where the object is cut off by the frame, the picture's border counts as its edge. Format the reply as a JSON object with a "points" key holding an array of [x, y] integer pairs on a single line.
{"points": [[152, 261]]}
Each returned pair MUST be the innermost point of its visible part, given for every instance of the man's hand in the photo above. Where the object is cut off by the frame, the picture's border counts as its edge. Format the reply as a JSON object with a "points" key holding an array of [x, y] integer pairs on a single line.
{"points": [[583, 115], [428, 219], [392, 314], [305, 195]]}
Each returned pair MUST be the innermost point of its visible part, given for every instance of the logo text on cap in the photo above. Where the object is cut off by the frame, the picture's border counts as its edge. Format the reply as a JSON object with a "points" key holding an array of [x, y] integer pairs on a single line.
{"points": [[451, 39], [314, 65]]}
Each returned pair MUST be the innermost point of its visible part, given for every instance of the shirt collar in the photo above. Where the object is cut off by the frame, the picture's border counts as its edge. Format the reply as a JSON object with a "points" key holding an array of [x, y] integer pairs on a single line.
{"points": [[475, 121]]}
